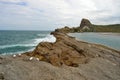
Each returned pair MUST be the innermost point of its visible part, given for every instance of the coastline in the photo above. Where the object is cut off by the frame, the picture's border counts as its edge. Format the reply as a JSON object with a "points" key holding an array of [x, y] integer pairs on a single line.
{"points": [[64, 45], [98, 43], [76, 59], [110, 33]]}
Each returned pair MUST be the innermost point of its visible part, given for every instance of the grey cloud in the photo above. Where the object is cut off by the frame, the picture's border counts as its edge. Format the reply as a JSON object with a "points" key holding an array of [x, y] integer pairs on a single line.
{"points": [[39, 14]]}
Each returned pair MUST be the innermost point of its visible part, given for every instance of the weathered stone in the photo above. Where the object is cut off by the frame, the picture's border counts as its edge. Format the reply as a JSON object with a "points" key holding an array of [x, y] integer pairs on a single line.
{"points": [[63, 51], [1, 76], [85, 22]]}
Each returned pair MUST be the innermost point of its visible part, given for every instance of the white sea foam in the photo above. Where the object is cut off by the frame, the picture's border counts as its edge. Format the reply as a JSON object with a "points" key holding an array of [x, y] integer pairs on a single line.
{"points": [[48, 38], [8, 46], [18, 52], [42, 35]]}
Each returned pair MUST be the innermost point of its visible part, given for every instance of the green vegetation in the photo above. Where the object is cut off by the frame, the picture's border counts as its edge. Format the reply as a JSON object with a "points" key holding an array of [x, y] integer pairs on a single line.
{"points": [[91, 28], [106, 28]]}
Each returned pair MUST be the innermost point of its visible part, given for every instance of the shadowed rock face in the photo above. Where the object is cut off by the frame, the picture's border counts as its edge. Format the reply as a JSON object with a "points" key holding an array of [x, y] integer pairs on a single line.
{"points": [[85, 22], [85, 25]]}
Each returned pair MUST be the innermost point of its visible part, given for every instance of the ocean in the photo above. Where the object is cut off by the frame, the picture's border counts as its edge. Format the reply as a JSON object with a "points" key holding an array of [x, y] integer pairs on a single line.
{"points": [[111, 40], [14, 42]]}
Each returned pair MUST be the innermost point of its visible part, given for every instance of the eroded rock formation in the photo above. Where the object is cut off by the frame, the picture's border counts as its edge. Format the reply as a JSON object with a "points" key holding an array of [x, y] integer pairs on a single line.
{"points": [[86, 26], [85, 22], [68, 51], [68, 30], [65, 50]]}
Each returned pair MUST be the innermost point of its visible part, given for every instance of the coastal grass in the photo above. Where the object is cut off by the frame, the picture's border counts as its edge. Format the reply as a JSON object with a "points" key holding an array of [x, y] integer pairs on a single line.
{"points": [[107, 28]]}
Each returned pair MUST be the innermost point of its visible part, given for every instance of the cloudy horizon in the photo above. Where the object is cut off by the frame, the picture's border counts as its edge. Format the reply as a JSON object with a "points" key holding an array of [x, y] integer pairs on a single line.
{"points": [[48, 15]]}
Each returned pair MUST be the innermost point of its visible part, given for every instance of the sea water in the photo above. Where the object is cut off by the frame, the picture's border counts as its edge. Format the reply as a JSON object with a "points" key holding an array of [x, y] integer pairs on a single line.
{"points": [[108, 39], [13, 42]]}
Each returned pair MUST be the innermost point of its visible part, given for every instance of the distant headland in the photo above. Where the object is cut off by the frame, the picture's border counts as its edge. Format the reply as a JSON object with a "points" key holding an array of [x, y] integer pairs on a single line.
{"points": [[87, 26]]}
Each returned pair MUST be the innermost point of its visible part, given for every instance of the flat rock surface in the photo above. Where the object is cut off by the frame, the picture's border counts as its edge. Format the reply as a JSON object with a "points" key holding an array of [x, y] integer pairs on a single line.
{"points": [[21, 68]]}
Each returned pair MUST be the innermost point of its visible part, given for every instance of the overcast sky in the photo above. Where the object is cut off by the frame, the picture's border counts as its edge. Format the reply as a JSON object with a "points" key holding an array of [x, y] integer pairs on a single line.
{"points": [[51, 14]]}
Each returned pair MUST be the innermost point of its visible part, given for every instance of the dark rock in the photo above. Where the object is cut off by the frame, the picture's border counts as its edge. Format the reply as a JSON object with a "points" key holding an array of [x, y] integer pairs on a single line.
{"points": [[1, 76], [85, 22], [86, 25]]}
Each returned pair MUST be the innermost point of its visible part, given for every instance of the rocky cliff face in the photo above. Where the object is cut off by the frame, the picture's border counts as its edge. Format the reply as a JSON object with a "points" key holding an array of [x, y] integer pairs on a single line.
{"points": [[85, 22], [85, 25]]}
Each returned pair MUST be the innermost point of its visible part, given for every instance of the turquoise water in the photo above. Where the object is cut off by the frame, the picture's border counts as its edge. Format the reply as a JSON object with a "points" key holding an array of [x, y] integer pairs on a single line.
{"points": [[12, 42], [108, 39]]}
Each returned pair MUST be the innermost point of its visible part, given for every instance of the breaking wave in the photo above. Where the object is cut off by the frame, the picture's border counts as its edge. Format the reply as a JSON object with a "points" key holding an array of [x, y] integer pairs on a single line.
{"points": [[23, 47]]}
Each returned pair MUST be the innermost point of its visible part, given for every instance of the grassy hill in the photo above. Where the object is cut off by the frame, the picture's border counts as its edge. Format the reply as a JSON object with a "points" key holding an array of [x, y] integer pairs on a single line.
{"points": [[87, 26], [106, 28]]}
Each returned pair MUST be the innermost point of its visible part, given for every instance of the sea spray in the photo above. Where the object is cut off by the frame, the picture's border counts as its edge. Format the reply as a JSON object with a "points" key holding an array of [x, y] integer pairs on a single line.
{"points": [[23, 44]]}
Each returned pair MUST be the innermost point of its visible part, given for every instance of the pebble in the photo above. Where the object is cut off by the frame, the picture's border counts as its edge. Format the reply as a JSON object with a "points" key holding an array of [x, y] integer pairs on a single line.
{"points": [[14, 55], [19, 55], [31, 58], [37, 59]]}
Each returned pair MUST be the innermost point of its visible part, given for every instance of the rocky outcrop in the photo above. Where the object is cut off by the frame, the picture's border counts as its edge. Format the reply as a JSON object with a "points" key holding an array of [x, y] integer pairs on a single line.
{"points": [[85, 22], [86, 26], [68, 51], [64, 51], [68, 30]]}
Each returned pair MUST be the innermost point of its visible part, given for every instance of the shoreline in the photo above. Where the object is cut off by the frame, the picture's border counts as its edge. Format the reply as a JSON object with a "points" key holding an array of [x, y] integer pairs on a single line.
{"points": [[96, 43], [78, 60], [82, 41]]}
